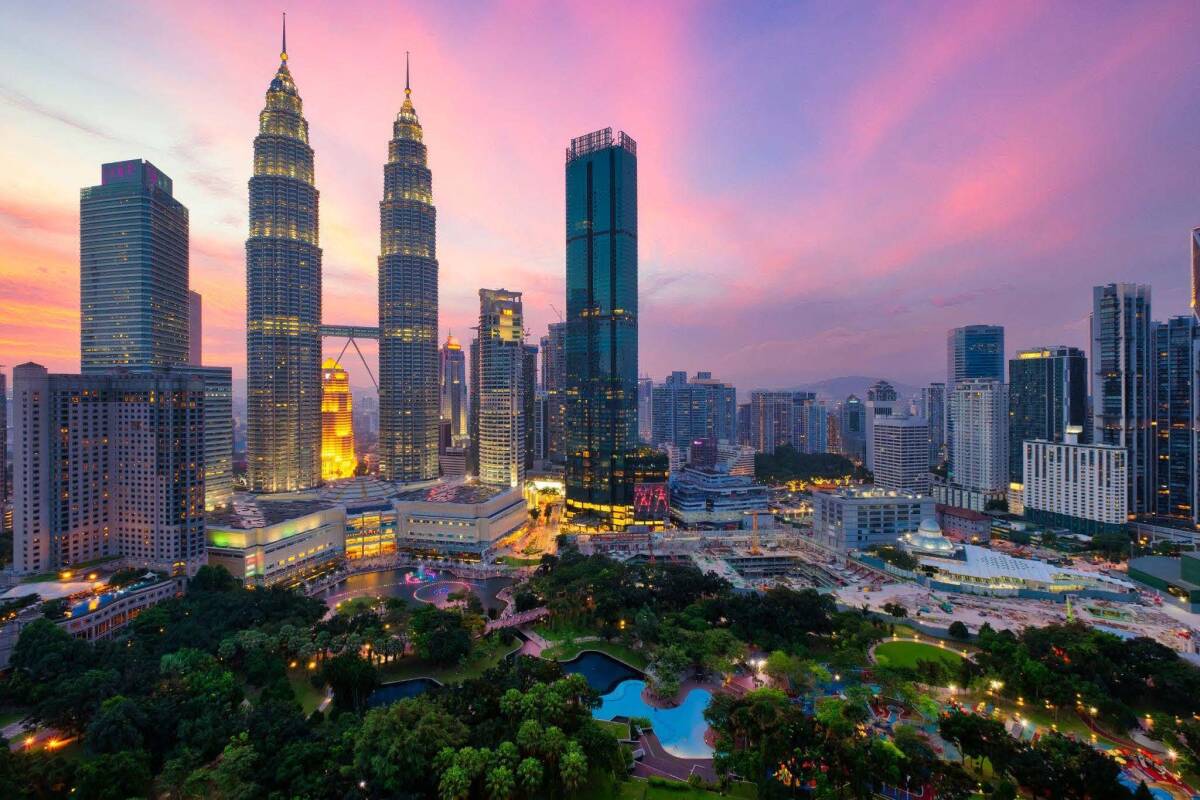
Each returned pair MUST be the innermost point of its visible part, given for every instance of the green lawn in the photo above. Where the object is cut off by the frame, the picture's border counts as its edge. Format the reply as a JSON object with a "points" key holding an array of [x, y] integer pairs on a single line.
{"points": [[515, 561], [907, 654], [486, 654], [619, 730], [307, 695], [568, 650], [638, 789]]}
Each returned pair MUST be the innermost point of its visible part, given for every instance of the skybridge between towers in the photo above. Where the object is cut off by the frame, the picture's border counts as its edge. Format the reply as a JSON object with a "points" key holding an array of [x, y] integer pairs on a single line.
{"points": [[351, 333]]}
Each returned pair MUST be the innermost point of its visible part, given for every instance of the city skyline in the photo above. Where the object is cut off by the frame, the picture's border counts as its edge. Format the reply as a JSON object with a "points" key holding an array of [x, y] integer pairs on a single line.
{"points": [[1005, 169]]}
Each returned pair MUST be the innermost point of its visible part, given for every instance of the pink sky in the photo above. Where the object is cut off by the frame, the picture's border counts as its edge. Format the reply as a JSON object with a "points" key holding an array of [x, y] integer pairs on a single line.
{"points": [[825, 188]]}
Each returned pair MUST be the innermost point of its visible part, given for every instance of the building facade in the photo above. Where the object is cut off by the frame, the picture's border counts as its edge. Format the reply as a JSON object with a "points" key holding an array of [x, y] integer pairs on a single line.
{"points": [[133, 270], [854, 428], [979, 448], [283, 299], [554, 382], [933, 409], [859, 519], [500, 402], [408, 306], [1175, 365], [108, 464], [529, 403], [881, 402], [902, 454], [602, 328], [1047, 393], [684, 410], [452, 367], [710, 498], [195, 329], [1122, 385], [772, 417], [974, 351], [338, 459], [1083, 487]]}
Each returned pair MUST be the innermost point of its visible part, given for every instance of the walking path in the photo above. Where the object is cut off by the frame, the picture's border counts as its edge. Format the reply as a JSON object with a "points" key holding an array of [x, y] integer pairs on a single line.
{"points": [[658, 761]]}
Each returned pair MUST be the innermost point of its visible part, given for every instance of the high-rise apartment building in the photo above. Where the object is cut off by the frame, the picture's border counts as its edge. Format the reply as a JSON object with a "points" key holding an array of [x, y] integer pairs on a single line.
{"points": [[195, 329], [602, 329], [218, 431], [133, 270], [500, 402], [1082, 487], [1122, 385], [772, 416], [452, 369], [881, 402], [812, 425], [902, 454], [529, 384], [408, 306], [554, 383], [108, 464], [283, 299], [645, 407], [1047, 393], [1174, 370], [854, 428], [979, 452], [933, 409], [684, 410], [974, 351], [338, 459]]}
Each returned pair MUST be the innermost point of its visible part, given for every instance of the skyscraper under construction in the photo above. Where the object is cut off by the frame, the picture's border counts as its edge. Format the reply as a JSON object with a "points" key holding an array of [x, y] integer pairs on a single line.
{"points": [[408, 307], [283, 298]]}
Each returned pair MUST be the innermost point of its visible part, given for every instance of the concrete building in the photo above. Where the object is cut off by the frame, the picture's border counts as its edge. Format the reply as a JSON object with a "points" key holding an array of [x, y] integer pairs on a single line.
{"points": [[1122, 385], [500, 402], [737, 459], [683, 410], [772, 416], [274, 539], [933, 409], [1083, 487], [972, 352], [529, 402], [710, 498], [979, 446], [963, 524], [195, 329], [881, 402], [108, 465], [554, 383], [902, 454], [457, 520], [859, 519]]}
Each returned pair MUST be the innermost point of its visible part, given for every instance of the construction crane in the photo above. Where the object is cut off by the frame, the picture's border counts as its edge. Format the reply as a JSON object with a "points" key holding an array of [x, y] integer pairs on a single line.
{"points": [[556, 311], [755, 544]]}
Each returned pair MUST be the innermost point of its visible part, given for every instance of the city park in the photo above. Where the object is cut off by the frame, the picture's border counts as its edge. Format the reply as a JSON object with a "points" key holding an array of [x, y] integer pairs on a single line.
{"points": [[588, 678]]}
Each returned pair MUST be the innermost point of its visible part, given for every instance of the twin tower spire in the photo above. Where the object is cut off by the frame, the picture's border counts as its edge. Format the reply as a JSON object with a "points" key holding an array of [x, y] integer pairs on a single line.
{"points": [[283, 301]]}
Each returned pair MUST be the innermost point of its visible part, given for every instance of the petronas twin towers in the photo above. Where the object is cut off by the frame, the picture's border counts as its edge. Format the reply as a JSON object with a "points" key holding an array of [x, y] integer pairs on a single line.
{"points": [[283, 302]]}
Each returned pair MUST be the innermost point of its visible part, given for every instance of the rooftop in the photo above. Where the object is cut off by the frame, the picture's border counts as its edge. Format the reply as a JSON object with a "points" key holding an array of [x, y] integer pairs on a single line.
{"points": [[461, 493], [986, 564], [251, 511]]}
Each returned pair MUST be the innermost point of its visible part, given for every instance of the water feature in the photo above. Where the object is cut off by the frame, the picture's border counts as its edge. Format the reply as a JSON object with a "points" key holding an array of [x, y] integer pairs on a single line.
{"points": [[400, 690], [413, 584], [603, 672], [679, 729]]}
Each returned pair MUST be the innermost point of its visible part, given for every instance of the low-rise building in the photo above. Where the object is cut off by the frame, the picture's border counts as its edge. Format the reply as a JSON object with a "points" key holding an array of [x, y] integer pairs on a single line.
{"points": [[980, 570], [963, 524], [858, 519], [269, 539], [457, 520], [711, 498], [99, 616]]}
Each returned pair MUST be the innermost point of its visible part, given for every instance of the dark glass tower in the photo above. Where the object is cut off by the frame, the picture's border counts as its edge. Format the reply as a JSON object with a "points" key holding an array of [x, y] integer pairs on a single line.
{"points": [[283, 299], [601, 340], [408, 307], [1174, 371], [1047, 393], [133, 270]]}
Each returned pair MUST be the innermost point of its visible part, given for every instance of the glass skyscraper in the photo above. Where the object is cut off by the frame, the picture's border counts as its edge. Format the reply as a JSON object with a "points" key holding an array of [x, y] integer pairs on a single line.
{"points": [[1121, 380], [1175, 366], [554, 383], [133, 270], [1047, 393], [283, 299], [500, 402], [974, 351], [452, 368], [409, 403], [601, 340]]}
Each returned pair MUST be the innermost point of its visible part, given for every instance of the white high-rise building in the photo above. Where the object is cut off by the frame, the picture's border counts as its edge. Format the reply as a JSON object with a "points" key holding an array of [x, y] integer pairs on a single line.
{"points": [[979, 449], [881, 402], [500, 402], [1083, 487], [902, 454]]}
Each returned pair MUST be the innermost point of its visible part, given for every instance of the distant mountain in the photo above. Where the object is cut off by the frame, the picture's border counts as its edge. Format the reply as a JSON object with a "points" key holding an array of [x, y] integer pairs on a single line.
{"points": [[839, 388]]}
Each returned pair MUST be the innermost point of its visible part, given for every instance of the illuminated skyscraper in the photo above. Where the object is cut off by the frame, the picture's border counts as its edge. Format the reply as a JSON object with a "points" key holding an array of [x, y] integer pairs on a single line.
{"points": [[133, 270], [554, 382], [408, 307], [602, 332], [337, 423], [452, 368], [500, 402], [283, 299]]}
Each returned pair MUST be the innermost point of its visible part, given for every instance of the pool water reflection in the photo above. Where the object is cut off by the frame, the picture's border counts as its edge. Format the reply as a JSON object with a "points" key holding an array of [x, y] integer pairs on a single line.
{"points": [[603, 672], [680, 729], [400, 690]]}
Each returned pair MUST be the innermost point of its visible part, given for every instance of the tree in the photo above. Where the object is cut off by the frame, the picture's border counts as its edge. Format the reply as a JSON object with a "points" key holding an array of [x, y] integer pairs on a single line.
{"points": [[455, 784], [440, 636], [529, 773], [895, 609], [117, 726], [395, 746], [352, 679], [212, 578], [113, 776], [500, 783], [959, 630], [573, 768]]}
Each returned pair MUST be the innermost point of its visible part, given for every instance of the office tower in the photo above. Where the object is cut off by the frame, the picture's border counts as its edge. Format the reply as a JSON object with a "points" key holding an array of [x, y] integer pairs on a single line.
{"points": [[772, 416], [1081, 487], [1196, 272], [833, 430], [979, 453], [109, 464], [1047, 393], [529, 382], [283, 299], [743, 424], [195, 329], [812, 423], [933, 409], [974, 351], [854, 428], [554, 382], [540, 431], [1174, 372], [602, 330], [687, 410], [452, 369], [881, 402], [1122, 382], [133, 270], [902, 454], [798, 438], [408, 306], [337, 423], [645, 407], [703, 453], [500, 402]]}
